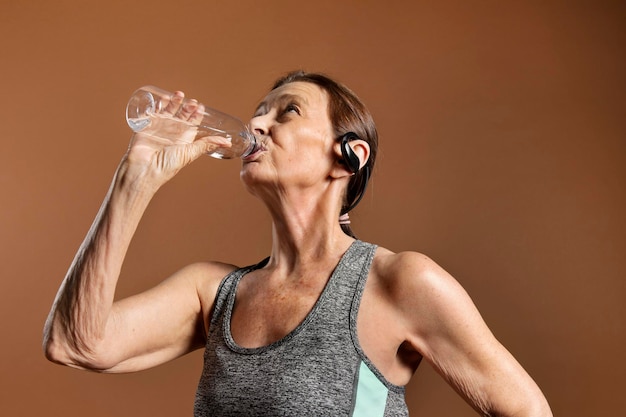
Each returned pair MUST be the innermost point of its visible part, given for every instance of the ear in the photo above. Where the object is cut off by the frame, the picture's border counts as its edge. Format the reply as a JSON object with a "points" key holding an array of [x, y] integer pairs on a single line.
{"points": [[362, 150], [351, 155]]}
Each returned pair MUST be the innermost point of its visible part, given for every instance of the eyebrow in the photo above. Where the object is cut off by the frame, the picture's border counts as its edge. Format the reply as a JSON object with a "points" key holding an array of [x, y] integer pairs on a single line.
{"points": [[282, 98]]}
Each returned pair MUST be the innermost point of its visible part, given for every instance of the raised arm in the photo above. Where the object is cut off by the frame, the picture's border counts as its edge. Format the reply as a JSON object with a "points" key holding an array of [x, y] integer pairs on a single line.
{"points": [[445, 327], [86, 328]]}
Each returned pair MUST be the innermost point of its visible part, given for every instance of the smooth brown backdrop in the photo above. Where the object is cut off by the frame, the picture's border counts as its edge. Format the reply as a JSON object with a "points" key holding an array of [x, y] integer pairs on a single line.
{"points": [[503, 157]]}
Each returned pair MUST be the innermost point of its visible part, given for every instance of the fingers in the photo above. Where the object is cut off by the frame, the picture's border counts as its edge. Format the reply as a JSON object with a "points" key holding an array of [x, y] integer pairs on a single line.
{"points": [[174, 104], [188, 110], [196, 116]]}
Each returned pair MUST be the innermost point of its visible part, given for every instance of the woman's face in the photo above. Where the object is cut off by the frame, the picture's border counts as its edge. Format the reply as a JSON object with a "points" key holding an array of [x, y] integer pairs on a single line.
{"points": [[293, 121]]}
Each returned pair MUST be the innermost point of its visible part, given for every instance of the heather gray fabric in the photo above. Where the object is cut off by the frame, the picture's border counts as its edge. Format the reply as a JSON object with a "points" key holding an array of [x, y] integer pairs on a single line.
{"points": [[319, 369]]}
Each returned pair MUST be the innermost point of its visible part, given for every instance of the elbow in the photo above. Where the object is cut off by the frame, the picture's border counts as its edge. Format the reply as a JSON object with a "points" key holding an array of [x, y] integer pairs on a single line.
{"points": [[52, 349], [531, 408], [537, 406], [66, 345], [541, 409], [67, 354], [54, 353]]}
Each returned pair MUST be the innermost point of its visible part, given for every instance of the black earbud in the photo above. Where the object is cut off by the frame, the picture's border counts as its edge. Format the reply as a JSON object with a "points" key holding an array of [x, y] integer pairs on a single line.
{"points": [[353, 163], [350, 158]]}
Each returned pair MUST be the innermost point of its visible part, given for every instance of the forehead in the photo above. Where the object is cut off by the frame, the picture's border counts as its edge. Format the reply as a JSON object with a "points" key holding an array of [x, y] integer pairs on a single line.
{"points": [[304, 93]]}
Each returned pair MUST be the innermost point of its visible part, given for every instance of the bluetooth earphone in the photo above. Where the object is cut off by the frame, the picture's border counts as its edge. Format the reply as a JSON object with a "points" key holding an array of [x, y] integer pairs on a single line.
{"points": [[350, 158], [353, 163]]}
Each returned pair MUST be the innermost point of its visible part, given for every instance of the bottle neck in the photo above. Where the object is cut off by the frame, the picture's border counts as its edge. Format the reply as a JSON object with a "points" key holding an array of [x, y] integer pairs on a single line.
{"points": [[252, 142]]}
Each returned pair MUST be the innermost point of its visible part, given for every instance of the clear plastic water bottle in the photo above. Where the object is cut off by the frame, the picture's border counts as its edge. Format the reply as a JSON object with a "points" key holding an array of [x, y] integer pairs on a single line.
{"points": [[146, 105]]}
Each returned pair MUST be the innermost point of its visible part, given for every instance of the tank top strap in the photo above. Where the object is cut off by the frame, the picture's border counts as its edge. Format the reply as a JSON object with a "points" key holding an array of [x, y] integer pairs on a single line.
{"points": [[228, 285], [351, 272]]}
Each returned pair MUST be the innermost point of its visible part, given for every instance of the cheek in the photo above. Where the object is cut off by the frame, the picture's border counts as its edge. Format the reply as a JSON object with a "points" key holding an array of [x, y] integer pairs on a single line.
{"points": [[314, 145]]}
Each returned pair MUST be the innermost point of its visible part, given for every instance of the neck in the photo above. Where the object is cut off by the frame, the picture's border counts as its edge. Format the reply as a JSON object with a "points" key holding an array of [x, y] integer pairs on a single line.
{"points": [[305, 232]]}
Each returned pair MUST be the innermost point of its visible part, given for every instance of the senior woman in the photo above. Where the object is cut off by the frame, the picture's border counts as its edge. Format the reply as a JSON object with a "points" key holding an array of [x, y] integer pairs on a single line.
{"points": [[326, 325]]}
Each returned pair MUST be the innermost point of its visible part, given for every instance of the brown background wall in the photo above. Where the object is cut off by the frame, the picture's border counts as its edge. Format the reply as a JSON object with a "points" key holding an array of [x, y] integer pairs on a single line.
{"points": [[503, 157]]}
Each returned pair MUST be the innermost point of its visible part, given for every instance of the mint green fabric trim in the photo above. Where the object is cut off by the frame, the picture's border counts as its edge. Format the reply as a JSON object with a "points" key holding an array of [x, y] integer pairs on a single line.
{"points": [[371, 394]]}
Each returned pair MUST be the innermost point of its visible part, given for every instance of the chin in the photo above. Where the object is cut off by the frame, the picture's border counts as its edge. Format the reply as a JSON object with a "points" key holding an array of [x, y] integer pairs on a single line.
{"points": [[256, 180], [249, 178]]}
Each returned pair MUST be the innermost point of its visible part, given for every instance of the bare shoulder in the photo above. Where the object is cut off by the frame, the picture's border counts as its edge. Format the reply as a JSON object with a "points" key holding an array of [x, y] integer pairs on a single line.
{"points": [[434, 309], [206, 271], [416, 284], [205, 277], [201, 281], [393, 263], [410, 270]]}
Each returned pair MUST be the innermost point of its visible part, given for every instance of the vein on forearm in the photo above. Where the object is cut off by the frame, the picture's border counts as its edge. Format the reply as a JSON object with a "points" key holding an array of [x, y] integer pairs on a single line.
{"points": [[87, 293]]}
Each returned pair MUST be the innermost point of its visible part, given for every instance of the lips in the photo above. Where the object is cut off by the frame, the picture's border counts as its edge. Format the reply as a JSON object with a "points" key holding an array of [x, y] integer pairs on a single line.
{"points": [[254, 155]]}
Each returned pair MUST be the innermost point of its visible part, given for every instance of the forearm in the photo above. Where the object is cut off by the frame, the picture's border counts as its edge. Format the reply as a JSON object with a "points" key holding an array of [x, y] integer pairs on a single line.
{"points": [[83, 329], [81, 314]]}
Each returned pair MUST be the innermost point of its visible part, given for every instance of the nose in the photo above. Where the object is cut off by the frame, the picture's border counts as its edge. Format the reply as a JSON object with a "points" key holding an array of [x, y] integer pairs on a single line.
{"points": [[260, 125]]}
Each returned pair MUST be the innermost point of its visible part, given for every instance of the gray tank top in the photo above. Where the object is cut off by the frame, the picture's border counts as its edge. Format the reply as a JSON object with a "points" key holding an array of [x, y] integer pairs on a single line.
{"points": [[319, 369]]}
